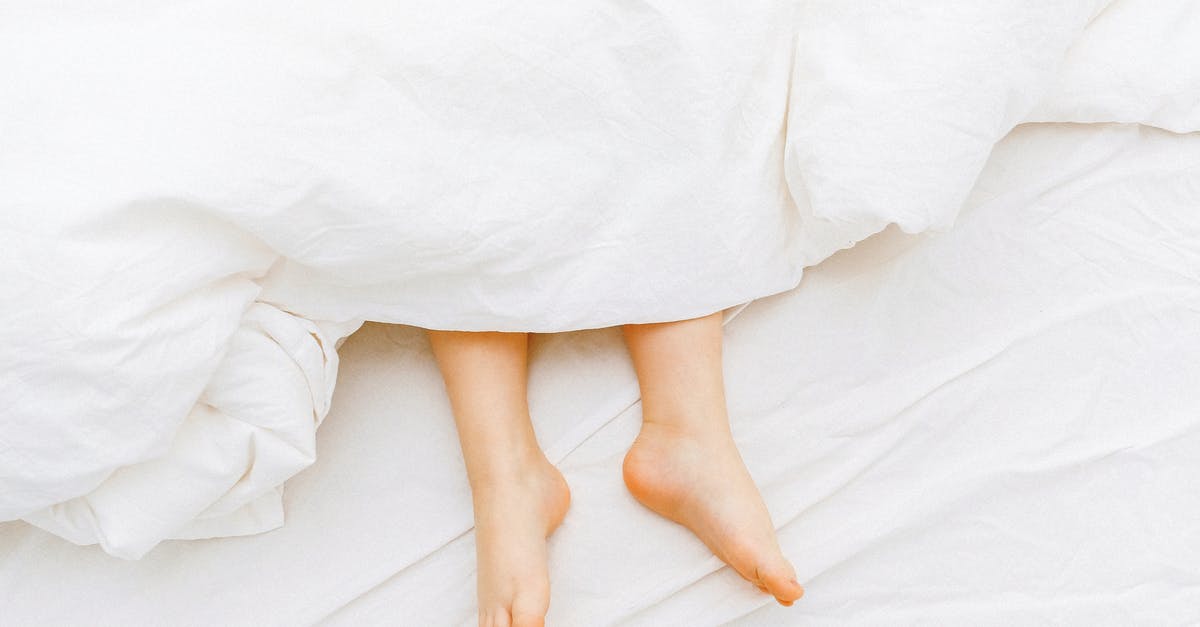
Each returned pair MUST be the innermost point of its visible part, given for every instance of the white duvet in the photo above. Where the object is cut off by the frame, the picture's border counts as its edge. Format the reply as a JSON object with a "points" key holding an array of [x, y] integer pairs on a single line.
{"points": [[200, 201], [994, 426]]}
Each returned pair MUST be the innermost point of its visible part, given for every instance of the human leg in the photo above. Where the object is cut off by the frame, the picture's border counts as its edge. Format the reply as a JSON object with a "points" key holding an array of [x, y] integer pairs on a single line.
{"points": [[684, 464], [519, 497]]}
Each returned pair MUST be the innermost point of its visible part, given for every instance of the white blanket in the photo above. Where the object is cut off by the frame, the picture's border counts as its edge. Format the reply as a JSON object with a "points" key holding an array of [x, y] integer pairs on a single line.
{"points": [[994, 426], [202, 200]]}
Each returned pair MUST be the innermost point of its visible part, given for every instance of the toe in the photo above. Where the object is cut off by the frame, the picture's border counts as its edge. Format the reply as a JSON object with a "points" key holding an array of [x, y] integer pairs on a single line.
{"points": [[528, 620], [498, 617], [780, 580], [529, 611]]}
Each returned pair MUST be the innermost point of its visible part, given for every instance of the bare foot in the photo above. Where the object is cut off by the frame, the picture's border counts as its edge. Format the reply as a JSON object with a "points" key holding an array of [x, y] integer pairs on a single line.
{"points": [[699, 481], [515, 511]]}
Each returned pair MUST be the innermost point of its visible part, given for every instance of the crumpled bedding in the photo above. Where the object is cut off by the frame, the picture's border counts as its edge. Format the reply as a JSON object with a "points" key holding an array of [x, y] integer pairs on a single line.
{"points": [[203, 200], [997, 425]]}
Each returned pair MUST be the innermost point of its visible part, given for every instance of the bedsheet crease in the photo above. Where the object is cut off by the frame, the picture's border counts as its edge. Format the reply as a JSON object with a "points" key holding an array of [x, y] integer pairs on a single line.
{"points": [[995, 425], [202, 200]]}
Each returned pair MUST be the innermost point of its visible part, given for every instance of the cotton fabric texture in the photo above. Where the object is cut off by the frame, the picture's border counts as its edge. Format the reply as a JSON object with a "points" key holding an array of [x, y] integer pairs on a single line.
{"points": [[203, 199]]}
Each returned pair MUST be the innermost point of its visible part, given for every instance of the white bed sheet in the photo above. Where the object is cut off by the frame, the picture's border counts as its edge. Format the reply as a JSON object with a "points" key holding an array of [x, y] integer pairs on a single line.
{"points": [[243, 199], [996, 425]]}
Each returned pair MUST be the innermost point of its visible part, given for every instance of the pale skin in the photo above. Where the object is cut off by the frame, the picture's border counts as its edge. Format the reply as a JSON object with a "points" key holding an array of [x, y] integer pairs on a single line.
{"points": [[684, 464]]}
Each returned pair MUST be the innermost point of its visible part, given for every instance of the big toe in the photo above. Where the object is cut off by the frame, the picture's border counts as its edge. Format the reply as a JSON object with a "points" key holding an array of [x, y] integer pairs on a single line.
{"points": [[529, 610], [498, 617], [779, 579], [528, 620]]}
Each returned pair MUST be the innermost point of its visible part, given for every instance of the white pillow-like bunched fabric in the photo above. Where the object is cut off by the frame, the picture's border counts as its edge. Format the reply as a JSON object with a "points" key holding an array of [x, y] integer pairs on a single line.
{"points": [[202, 199]]}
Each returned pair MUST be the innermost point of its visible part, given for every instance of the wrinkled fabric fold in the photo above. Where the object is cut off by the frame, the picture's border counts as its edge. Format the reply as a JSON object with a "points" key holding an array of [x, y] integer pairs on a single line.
{"points": [[203, 200]]}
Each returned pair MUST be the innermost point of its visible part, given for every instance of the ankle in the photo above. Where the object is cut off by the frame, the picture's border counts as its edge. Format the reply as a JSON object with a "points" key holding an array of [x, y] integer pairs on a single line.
{"points": [[517, 468], [713, 426]]}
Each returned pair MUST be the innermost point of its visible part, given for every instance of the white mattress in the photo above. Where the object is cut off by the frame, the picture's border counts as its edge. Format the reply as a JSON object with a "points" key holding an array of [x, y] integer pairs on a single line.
{"points": [[995, 425]]}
